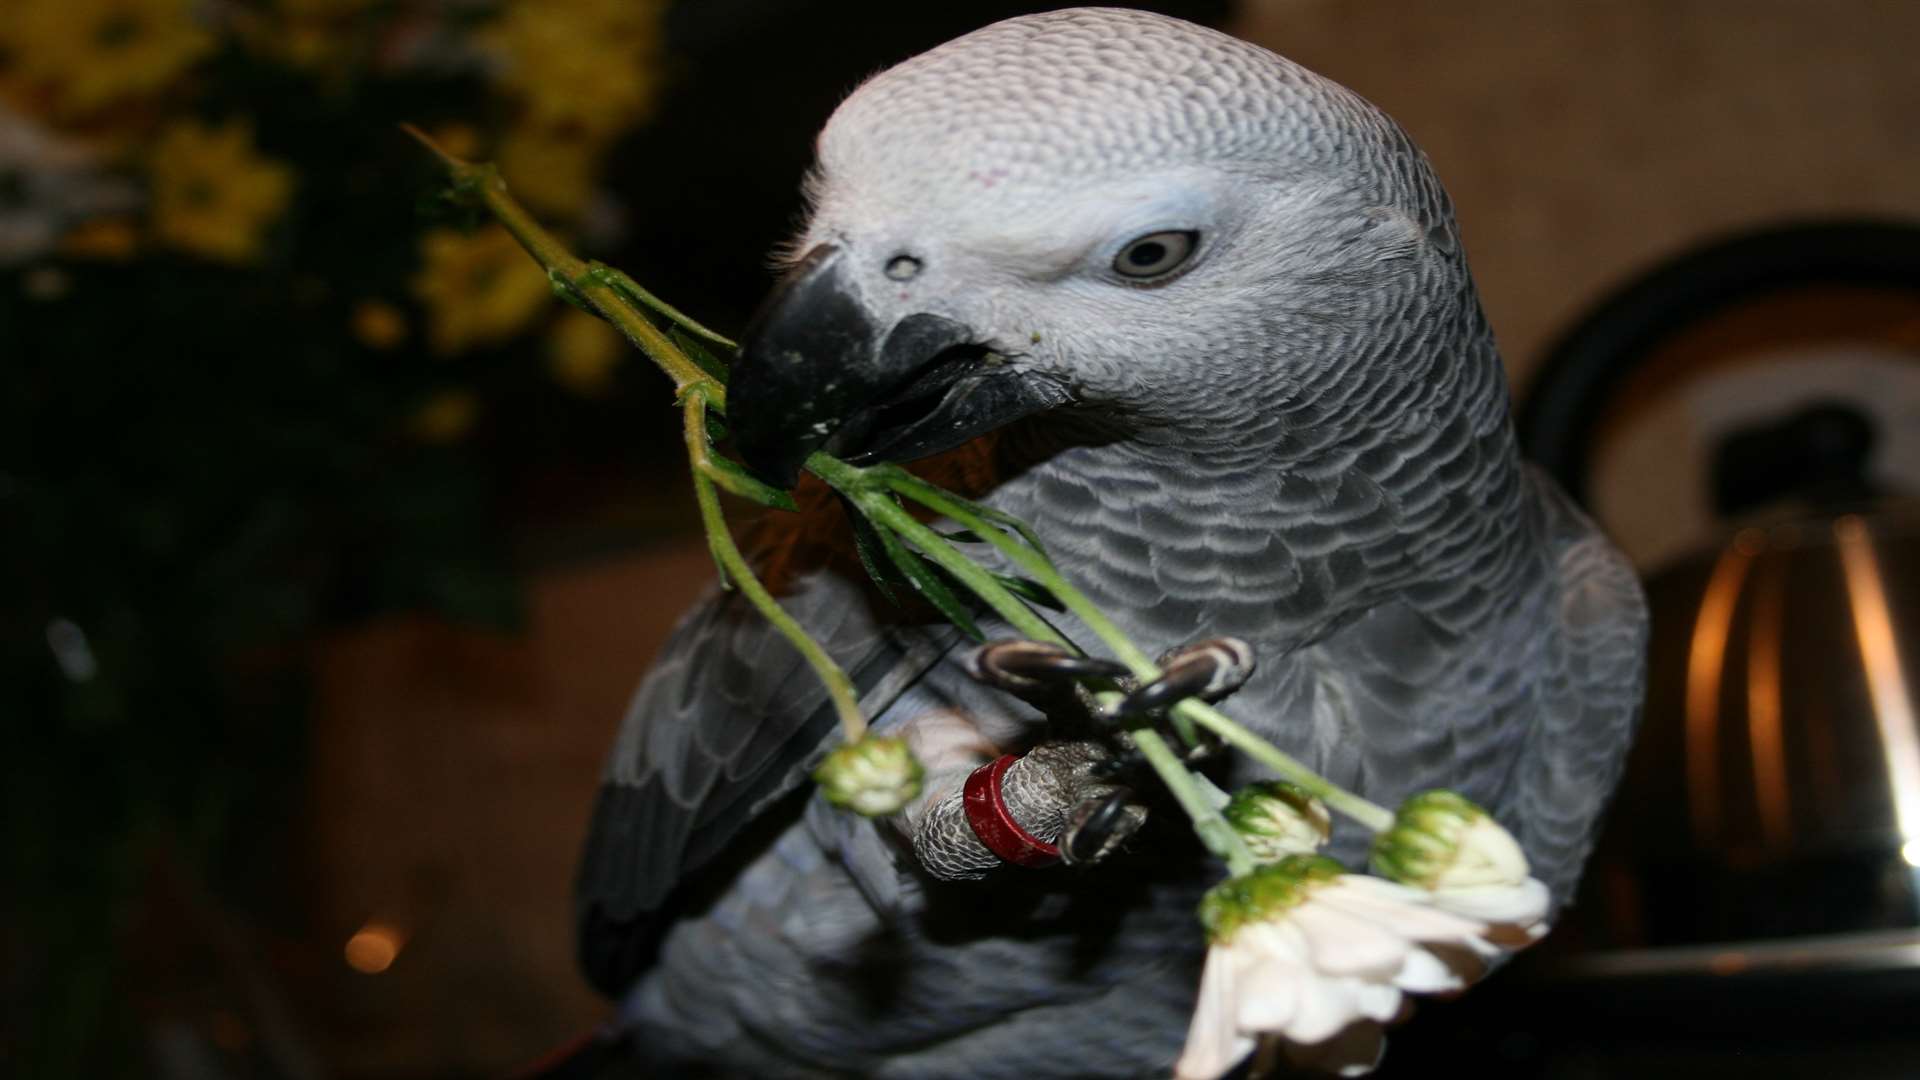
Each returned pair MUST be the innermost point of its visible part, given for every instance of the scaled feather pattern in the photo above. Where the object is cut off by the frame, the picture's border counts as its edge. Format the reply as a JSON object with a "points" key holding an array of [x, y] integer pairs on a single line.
{"points": [[1299, 437]]}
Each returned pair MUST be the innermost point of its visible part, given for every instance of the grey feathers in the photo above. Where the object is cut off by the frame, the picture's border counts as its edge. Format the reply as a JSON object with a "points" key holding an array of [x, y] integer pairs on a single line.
{"points": [[1299, 439], [727, 722]]}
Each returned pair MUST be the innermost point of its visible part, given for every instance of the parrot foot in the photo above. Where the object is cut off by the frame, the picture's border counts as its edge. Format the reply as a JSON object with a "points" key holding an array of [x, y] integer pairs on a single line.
{"points": [[1033, 810], [1108, 810], [1098, 827], [1128, 763], [1209, 670], [1021, 667]]}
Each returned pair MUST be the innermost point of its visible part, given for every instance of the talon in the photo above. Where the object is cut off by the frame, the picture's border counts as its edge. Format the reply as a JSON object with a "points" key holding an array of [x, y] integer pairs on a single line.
{"points": [[1019, 665], [1098, 826], [1208, 670], [1129, 761]]}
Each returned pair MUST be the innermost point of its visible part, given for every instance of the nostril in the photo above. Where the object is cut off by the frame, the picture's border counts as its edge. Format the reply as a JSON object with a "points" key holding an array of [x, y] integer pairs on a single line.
{"points": [[903, 267]]}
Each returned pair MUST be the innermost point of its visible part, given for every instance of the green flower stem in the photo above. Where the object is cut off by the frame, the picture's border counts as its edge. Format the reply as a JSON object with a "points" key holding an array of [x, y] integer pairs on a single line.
{"points": [[1370, 814], [1033, 561], [620, 301], [696, 390], [483, 181], [1214, 831], [880, 507], [871, 499], [1035, 564], [621, 281], [853, 726]]}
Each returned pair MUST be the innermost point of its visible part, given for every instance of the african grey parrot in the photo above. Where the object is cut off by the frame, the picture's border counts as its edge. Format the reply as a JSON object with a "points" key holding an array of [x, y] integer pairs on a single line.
{"points": [[1216, 310]]}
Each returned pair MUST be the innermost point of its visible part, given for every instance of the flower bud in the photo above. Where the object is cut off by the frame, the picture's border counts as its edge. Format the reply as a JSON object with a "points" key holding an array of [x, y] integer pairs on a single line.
{"points": [[874, 777], [1442, 841], [1263, 894], [1277, 819]]}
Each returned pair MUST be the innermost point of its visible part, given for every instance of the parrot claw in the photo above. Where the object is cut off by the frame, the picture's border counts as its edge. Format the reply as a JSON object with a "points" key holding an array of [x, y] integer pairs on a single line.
{"points": [[1128, 762], [1099, 824], [1208, 670], [1097, 827], [1020, 666]]}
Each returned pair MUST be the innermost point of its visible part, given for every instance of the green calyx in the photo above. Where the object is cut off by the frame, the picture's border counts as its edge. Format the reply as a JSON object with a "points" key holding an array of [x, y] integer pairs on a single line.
{"points": [[876, 776], [1425, 839], [1263, 894], [1277, 818]]}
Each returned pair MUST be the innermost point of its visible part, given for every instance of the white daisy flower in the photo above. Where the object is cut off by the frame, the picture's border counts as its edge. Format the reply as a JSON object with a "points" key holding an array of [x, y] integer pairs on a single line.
{"points": [[1319, 957], [1277, 819], [1468, 864]]}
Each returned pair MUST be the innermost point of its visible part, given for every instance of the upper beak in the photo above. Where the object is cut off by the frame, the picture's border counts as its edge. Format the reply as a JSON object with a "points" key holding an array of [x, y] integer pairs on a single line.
{"points": [[818, 370]]}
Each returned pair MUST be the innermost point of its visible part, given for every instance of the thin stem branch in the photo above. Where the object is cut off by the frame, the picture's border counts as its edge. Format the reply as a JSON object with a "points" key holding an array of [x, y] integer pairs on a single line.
{"points": [[1370, 814], [626, 284], [1214, 830], [853, 726], [1036, 565], [620, 301], [880, 508], [573, 274]]}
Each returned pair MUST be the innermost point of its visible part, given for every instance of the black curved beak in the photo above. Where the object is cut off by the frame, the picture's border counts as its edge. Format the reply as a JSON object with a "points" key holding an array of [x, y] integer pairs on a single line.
{"points": [[817, 370]]}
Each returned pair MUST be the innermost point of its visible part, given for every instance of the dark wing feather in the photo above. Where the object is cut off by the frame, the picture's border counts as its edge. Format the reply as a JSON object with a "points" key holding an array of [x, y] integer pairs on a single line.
{"points": [[1590, 703], [729, 721]]}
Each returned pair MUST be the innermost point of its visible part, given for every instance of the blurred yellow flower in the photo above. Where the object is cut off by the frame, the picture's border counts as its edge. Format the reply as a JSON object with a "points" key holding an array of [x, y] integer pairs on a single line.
{"points": [[212, 195], [87, 54], [479, 287], [446, 417], [583, 351], [586, 65], [550, 171], [309, 45], [460, 140], [378, 324], [322, 9], [324, 37], [109, 238]]}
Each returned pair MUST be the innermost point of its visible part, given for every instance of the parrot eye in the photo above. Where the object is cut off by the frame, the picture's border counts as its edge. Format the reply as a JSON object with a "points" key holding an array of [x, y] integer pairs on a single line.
{"points": [[1155, 254]]}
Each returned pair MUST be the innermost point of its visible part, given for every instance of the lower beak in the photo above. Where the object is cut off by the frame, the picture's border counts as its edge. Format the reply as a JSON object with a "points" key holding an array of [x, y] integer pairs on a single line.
{"points": [[818, 371]]}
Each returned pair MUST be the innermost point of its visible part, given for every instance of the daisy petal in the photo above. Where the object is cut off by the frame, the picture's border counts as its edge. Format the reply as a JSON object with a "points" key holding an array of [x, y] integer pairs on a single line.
{"points": [[1520, 905], [1321, 1014], [1214, 1044], [1342, 943], [1323, 958], [1270, 991], [1377, 1001], [1354, 1051], [1426, 973]]}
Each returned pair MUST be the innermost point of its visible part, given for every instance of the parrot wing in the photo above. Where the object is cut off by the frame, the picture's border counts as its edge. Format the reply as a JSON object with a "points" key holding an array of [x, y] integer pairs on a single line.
{"points": [[1591, 693], [728, 722]]}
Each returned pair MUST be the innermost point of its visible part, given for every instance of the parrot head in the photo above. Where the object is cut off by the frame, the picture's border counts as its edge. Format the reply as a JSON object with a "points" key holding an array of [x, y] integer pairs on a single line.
{"points": [[1175, 234]]}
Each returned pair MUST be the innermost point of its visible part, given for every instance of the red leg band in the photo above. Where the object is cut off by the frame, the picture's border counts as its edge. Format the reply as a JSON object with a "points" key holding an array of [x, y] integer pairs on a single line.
{"points": [[993, 823]]}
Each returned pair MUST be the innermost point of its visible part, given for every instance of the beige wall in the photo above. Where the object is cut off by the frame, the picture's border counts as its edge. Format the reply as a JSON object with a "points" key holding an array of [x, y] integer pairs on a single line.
{"points": [[453, 772], [1584, 140]]}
